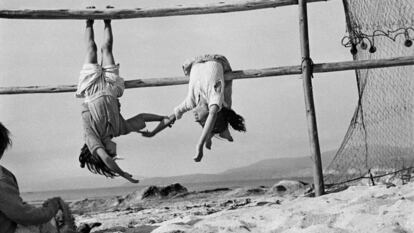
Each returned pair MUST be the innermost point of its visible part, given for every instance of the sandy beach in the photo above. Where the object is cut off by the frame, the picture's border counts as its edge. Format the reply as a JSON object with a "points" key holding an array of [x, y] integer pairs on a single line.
{"points": [[285, 207]]}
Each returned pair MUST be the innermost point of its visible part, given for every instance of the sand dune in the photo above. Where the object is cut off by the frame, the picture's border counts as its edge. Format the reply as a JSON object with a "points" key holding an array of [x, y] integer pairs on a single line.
{"points": [[267, 209]]}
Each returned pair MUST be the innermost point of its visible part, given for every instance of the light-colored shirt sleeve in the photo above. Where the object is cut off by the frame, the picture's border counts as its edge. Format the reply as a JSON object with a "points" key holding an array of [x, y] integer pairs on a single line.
{"points": [[12, 205], [189, 103]]}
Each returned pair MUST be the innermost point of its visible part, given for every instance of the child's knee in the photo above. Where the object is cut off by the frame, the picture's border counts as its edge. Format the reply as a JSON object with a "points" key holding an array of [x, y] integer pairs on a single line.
{"points": [[136, 123], [140, 121], [106, 47], [91, 46]]}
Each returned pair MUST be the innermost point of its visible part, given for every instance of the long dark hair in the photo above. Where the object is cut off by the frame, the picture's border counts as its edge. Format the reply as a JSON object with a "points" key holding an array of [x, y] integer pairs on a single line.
{"points": [[5, 140], [94, 163], [225, 117]]}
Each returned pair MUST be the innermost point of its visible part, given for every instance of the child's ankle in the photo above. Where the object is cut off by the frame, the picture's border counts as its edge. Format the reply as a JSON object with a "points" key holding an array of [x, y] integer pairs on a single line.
{"points": [[89, 22]]}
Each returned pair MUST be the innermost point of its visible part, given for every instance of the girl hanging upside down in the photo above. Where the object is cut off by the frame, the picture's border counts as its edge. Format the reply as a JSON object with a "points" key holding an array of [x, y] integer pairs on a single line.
{"points": [[101, 86], [209, 95]]}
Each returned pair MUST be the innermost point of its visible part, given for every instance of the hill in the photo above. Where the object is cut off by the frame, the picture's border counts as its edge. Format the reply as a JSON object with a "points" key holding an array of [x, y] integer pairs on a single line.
{"points": [[265, 169]]}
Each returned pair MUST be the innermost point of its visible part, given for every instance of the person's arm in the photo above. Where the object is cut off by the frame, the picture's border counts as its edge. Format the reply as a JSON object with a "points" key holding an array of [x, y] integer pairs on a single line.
{"points": [[184, 107], [65, 221], [228, 89], [208, 141], [205, 134], [189, 102], [12, 205], [149, 117], [109, 161], [164, 123]]}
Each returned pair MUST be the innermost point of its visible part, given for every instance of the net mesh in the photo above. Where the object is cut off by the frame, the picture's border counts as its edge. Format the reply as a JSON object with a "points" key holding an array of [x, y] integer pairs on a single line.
{"points": [[380, 138]]}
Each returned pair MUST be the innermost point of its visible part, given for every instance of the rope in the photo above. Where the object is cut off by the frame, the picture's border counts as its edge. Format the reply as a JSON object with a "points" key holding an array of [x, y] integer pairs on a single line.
{"points": [[309, 63], [369, 177], [365, 41]]}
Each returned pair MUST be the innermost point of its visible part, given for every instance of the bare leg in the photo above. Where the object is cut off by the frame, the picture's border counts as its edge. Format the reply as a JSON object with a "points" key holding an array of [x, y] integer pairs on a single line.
{"points": [[107, 56], [228, 89], [136, 123], [91, 55], [147, 117]]}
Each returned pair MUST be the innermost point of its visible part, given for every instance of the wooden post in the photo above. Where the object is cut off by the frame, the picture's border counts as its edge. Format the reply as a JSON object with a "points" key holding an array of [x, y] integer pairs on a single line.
{"points": [[310, 108]]}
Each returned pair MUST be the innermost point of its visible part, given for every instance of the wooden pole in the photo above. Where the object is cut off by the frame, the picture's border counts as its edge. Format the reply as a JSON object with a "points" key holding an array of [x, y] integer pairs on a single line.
{"points": [[113, 13], [363, 64], [241, 74], [154, 82], [310, 108]]}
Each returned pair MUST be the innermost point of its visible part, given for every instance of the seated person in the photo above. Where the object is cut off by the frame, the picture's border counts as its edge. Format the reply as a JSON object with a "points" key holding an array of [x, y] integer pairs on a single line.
{"points": [[18, 216]]}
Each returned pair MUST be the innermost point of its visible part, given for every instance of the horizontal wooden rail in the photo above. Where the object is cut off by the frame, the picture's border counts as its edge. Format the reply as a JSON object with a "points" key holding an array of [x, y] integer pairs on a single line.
{"points": [[241, 74], [363, 64], [113, 13], [157, 82]]}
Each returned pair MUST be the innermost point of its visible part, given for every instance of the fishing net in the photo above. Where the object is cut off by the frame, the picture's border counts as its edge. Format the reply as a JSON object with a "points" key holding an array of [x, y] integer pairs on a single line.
{"points": [[380, 138]]}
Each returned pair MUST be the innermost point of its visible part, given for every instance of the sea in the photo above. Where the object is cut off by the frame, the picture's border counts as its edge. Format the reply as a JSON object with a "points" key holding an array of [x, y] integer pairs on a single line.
{"points": [[71, 195]]}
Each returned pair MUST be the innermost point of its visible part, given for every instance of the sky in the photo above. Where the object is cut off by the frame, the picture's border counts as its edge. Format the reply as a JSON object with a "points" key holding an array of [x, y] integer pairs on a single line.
{"points": [[46, 128]]}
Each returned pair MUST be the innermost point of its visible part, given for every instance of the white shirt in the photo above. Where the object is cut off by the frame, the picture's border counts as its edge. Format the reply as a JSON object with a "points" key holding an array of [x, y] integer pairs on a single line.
{"points": [[207, 82]]}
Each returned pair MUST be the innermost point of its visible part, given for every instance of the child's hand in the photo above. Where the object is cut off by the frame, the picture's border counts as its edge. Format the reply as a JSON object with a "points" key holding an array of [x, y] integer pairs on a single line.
{"points": [[168, 121], [199, 152], [208, 143], [65, 220], [117, 158], [53, 202], [129, 177]]}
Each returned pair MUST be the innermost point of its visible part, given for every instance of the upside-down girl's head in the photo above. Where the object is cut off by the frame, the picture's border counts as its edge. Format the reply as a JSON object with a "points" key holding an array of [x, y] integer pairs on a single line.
{"points": [[94, 163], [224, 117]]}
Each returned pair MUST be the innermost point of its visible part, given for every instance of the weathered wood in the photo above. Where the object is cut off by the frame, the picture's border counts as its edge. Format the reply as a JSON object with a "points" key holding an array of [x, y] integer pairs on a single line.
{"points": [[309, 103], [363, 64], [153, 82], [113, 13], [241, 74]]}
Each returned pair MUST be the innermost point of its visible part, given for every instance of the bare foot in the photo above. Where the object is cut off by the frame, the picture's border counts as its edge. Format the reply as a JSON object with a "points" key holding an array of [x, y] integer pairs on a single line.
{"points": [[198, 158]]}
